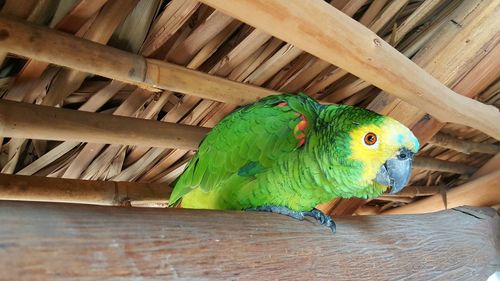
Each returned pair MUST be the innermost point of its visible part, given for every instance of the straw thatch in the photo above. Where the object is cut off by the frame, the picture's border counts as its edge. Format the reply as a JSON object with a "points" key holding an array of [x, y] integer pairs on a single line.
{"points": [[441, 36]]}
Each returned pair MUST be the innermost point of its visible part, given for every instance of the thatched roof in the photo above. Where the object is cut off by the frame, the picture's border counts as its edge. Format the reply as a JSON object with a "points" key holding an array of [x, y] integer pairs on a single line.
{"points": [[454, 41]]}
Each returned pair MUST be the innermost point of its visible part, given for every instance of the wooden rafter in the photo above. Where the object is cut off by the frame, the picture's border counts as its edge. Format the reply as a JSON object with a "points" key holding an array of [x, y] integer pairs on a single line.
{"points": [[427, 163], [59, 48], [22, 120], [109, 193], [463, 146], [342, 41]]}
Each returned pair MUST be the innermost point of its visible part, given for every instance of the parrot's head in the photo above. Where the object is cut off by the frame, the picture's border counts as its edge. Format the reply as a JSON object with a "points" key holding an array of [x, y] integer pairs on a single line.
{"points": [[386, 149], [380, 146]]}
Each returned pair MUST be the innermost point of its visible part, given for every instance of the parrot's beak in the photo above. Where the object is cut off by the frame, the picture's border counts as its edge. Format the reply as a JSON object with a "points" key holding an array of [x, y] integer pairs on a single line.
{"points": [[396, 171]]}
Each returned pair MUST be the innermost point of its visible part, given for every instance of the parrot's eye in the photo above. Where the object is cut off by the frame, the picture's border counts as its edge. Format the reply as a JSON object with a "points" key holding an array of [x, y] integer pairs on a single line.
{"points": [[370, 138]]}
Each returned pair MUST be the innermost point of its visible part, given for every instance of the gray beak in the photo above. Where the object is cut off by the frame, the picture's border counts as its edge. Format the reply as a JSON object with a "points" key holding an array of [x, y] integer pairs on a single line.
{"points": [[396, 171]]}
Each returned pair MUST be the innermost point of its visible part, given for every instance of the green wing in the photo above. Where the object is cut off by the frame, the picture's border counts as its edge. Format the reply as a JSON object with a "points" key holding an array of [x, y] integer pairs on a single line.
{"points": [[247, 142]]}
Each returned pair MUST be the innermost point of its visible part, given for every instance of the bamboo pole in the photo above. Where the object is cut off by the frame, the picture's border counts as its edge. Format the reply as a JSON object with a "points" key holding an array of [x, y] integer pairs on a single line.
{"points": [[463, 146], [427, 163], [47, 241], [483, 191], [433, 97], [318, 28], [59, 48], [21, 120], [43, 189]]}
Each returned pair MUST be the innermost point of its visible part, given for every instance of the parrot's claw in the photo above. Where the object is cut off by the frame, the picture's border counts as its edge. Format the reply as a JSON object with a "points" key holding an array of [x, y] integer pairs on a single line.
{"points": [[322, 218], [315, 213]]}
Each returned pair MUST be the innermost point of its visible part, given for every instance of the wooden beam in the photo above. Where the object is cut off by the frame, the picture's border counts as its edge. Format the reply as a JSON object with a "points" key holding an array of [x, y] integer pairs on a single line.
{"points": [[483, 191], [29, 121], [476, 81], [109, 193], [22, 120], [318, 28], [467, 147], [59, 48], [449, 44], [427, 163], [56, 241]]}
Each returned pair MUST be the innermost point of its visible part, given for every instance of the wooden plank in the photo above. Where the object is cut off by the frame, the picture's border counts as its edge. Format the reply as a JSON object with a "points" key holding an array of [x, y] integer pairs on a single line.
{"points": [[21, 120], [483, 191], [108, 193], [47, 241], [59, 48], [342, 41]]}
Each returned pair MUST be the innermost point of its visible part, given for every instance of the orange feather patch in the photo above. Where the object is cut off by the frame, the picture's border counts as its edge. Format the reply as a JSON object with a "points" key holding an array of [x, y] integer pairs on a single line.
{"points": [[299, 129]]}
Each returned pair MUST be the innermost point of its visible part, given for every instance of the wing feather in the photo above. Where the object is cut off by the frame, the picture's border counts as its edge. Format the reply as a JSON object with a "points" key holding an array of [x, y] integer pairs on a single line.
{"points": [[259, 133]]}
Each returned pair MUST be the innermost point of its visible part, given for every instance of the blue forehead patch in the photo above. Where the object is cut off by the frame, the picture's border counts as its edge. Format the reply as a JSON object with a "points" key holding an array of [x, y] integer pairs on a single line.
{"points": [[400, 139], [417, 144]]}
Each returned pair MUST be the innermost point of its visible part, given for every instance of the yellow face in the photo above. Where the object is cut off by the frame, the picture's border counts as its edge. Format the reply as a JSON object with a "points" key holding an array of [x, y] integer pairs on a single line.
{"points": [[373, 145]]}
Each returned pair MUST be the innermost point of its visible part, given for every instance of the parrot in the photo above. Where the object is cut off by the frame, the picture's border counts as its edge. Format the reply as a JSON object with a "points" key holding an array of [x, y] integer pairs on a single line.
{"points": [[287, 153]]}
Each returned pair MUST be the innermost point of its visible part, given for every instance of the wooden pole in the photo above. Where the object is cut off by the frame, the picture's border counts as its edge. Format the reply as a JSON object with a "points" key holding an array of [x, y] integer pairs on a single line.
{"points": [[47, 241], [384, 66], [320, 29], [59, 48], [467, 147], [22, 120], [427, 163], [483, 191], [44, 189]]}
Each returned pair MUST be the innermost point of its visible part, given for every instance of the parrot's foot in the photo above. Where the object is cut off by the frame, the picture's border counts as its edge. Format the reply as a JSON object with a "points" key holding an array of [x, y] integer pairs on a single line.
{"points": [[315, 213], [322, 218]]}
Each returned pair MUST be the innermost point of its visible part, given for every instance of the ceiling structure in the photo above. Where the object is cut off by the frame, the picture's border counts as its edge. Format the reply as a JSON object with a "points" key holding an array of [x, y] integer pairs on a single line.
{"points": [[454, 41]]}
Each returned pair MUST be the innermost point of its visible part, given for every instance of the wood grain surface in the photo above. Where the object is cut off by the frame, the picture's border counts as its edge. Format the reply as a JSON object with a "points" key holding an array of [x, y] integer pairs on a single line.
{"points": [[47, 241]]}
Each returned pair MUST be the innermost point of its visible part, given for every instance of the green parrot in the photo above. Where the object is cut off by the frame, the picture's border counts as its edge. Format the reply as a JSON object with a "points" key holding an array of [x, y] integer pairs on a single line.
{"points": [[287, 153]]}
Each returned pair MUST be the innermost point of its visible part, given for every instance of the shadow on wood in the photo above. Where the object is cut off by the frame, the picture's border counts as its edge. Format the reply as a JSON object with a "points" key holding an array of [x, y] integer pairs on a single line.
{"points": [[47, 241]]}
